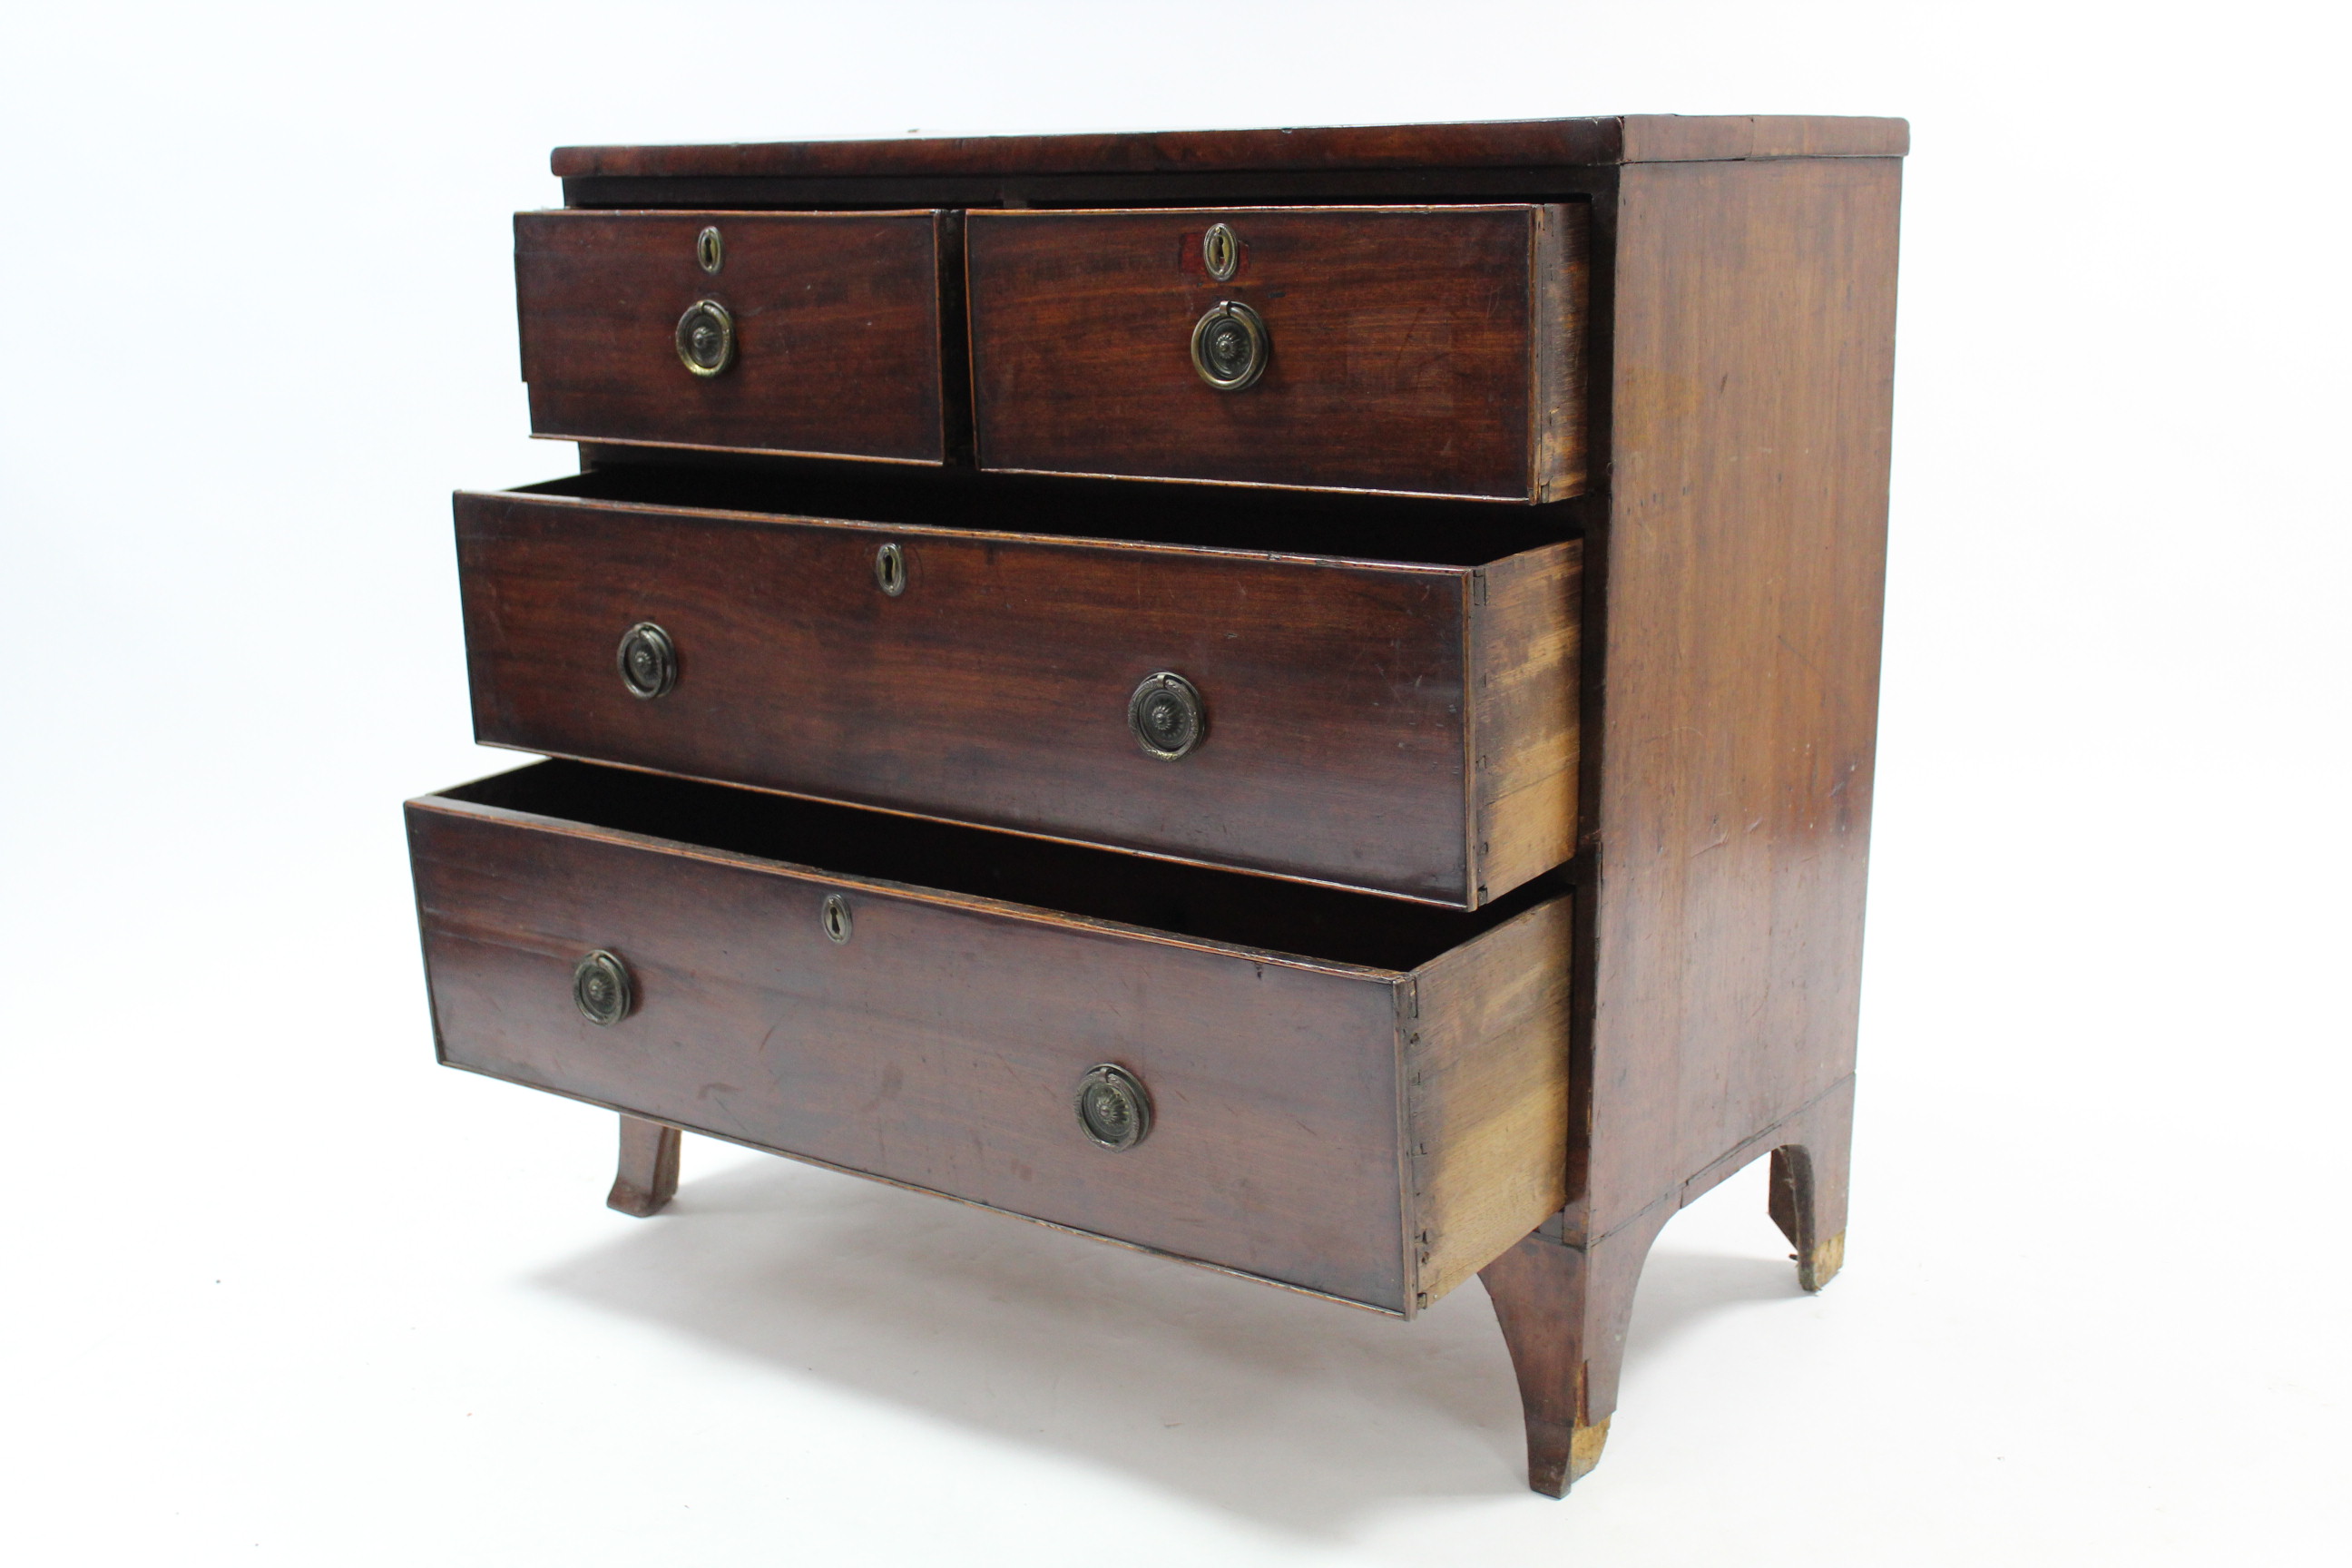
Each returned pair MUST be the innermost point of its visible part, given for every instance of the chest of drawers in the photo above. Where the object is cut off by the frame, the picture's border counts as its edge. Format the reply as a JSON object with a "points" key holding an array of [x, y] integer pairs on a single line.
{"points": [[1299, 701]]}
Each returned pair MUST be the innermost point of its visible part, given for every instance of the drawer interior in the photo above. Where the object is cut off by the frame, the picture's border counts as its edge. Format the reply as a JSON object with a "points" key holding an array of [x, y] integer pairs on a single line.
{"points": [[1193, 901], [1435, 531]]}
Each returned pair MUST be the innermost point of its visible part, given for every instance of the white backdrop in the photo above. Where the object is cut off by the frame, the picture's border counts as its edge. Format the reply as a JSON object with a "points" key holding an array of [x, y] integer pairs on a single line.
{"points": [[277, 1289]]}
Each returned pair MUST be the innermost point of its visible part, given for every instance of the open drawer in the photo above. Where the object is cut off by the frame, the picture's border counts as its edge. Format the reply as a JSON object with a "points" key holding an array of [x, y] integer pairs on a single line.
{"points": [[1386, 703], [1371, 1111]]}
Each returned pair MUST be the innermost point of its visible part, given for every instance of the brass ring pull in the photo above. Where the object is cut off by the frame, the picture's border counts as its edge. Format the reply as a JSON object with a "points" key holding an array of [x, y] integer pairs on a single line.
{"points": [[601, 988], [648, 660], [706, 337], [1166, 716], [1114, 1108], [1230, 347]]}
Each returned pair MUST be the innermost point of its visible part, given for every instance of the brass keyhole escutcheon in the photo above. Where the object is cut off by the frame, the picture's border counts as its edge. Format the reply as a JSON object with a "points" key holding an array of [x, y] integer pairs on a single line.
{"points": [[1167, 717], [890, 570], [648, 661], [709, 251], [601, 988], [706, 337], [1114, 1108], [1219, 252], [1229, 346], [836, 918]]}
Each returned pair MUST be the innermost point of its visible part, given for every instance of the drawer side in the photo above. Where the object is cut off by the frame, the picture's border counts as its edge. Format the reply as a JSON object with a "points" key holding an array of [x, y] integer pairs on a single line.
{"points": [[1524, 642], [1485, 1034], [1562, 292]]}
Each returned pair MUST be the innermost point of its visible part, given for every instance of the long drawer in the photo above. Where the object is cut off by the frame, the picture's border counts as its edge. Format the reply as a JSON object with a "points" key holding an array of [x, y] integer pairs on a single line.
{"points": [[1422, 350], [1371, 1110], [802, 333], [1404, 727]]}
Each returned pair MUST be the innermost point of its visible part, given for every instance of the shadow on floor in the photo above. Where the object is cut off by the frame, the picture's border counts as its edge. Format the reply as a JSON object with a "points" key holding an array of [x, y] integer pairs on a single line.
{"points": [[1271, 1406]]}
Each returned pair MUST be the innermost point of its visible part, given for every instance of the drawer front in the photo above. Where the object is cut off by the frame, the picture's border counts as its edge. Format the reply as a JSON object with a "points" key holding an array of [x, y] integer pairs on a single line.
{"points": [[1343, 701], [829, 345], [941, 1046], [1425, 351], [1370, 1133]]}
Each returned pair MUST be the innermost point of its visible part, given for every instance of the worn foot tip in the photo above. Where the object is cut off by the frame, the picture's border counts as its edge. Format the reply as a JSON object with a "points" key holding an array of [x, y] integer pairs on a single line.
{"points": [[1553, 1473], [1819, 1266], [634, 1200]]}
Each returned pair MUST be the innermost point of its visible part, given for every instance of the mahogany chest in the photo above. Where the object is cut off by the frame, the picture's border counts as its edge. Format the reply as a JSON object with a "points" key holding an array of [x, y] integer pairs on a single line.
{"points": [[1302, 701]]}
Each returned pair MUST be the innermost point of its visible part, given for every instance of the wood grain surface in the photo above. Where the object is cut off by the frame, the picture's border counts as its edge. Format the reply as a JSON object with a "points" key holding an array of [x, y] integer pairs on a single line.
{"points": [[1725, 379], [647, 1178], [1734, 594], [1745, 572], [1433, 351], [941, 1045], [837, 324], [1526, 670], [1486, 1093], [1564, 1311], [1385, 186], [994, 689], [1610, 139]]}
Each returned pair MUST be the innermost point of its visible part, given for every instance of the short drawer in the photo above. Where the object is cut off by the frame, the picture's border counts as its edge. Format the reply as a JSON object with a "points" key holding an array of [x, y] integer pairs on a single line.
{"points": [[1401, 727], [1372, 1112], [1419, 349], [803, 333]]}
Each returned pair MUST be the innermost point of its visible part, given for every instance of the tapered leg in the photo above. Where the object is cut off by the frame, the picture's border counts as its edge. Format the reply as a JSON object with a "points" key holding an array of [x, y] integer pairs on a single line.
{"points": [[1563, 1311], [1808, 1185], [648, 1176]]}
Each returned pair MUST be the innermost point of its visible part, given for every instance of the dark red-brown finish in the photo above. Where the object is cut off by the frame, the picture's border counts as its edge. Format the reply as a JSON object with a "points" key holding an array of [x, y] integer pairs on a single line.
{"points": [[647, 1178], [1740, 359], [1720, 905], [1422, 351], [1507, 144], [837, 330], [1565, 1308], [941, 1045], [1341, 694], [1746, 564]]}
